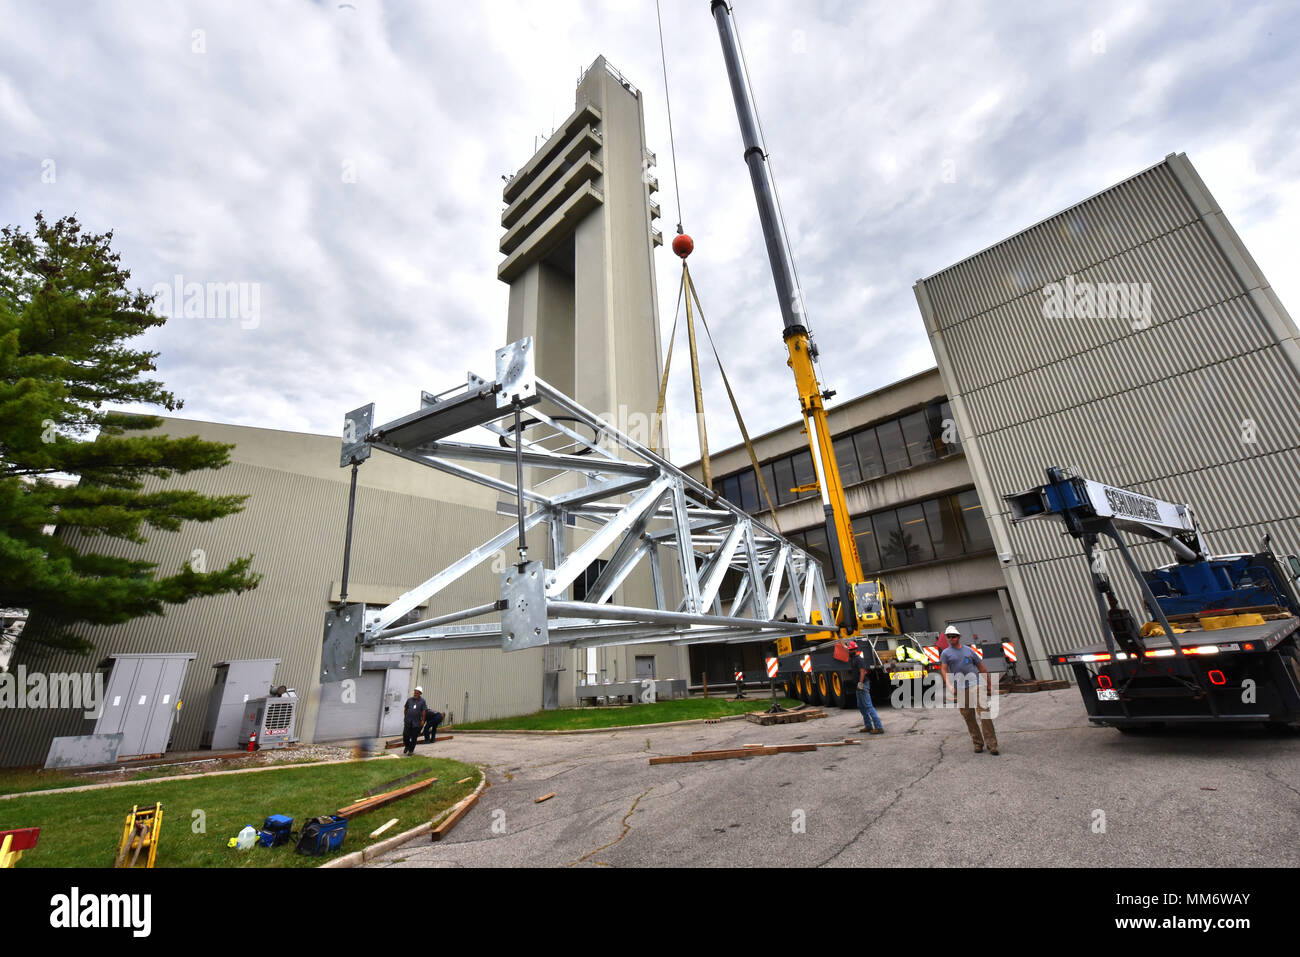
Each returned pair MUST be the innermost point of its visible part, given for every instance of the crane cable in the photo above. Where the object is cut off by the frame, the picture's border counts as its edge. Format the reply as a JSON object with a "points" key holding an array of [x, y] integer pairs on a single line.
{"points": [[672, 143], [687, 287]]}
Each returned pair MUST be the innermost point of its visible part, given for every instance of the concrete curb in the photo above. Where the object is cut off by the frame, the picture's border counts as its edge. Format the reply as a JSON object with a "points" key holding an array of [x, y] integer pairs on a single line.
{"points": [[366, 854], [189, 777], [617, 727]]}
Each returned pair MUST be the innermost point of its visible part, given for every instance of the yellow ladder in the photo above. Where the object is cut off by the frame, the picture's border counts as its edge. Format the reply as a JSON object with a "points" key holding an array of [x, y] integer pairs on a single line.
{"points": [[141, 831]]}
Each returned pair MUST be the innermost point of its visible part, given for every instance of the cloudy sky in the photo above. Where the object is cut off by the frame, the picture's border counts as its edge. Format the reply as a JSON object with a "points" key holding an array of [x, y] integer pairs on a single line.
{"points": [[344, 161]]}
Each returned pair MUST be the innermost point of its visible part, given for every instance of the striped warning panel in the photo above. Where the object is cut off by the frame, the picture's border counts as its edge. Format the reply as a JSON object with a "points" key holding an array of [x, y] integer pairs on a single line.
{"points": [[978, 650], [740, 676], [772, 667], [932, 653], [1009, 650], [806, 664]]}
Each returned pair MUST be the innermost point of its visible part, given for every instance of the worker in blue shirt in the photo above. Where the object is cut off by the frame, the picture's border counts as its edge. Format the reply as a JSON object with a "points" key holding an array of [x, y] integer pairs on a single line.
{"points": [[961, 669]]}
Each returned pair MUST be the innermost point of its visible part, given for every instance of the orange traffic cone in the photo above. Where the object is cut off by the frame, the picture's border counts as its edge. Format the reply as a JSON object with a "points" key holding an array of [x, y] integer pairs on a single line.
{"points": [[252, 741]]}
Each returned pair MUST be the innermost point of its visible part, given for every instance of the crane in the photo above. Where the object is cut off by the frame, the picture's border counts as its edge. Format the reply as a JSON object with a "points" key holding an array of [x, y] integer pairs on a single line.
{"points": [[864, 605]]}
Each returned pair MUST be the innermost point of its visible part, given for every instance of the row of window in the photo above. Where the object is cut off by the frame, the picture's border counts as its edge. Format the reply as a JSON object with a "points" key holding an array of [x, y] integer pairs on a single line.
{"points": [[939, 528], [890, 446]]}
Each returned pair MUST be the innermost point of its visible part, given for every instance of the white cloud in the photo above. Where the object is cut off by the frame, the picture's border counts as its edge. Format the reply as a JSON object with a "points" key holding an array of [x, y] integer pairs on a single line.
{"points": [[231, 165]]}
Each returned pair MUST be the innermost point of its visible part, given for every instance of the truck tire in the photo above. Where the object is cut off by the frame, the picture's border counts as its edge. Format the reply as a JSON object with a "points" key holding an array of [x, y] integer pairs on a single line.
{"points": [[832, 693], [842, 689], [814, 689]]}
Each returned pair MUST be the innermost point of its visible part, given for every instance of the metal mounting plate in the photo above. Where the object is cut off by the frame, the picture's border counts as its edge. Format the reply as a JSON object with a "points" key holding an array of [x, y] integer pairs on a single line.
{"points": [[523, 622], [356, 426], [340, 657], [516, 372]]}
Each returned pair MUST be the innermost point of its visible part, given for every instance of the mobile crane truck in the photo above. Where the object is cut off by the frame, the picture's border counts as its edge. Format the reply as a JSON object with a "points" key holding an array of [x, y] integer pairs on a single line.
{"points": [[819, 670], [1221, 645]]}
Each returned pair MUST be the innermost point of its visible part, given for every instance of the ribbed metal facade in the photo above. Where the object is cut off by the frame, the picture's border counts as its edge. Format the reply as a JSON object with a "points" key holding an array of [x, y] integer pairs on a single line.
{"points": [[1194, 403], [294, 524]]}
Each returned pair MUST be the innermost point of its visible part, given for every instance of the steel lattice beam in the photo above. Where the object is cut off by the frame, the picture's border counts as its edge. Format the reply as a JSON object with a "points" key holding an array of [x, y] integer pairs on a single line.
{"points": [[628, 502]]}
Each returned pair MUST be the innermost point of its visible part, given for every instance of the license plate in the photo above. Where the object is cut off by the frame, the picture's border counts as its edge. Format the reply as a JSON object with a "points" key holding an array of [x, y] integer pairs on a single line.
{"points": [[905, 675], [1107, 694]]}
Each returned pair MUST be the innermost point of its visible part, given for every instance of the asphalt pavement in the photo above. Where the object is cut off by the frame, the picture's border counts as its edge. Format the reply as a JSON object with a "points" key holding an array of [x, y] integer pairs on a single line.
{"points": [[1061, 793]]}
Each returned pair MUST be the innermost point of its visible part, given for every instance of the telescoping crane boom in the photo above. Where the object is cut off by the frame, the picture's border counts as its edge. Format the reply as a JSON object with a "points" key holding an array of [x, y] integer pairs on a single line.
{"points": [[864, 607], [853, 590]]}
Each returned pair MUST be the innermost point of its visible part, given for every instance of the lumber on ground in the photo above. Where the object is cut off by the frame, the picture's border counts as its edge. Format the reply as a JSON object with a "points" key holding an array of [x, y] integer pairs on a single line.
{"points": [[732, 753], [379, 800], [462, 809]]}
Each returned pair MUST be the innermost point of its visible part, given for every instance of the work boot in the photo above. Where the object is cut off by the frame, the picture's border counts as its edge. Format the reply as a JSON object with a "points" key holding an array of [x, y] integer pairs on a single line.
{"points": [[876, 731]]}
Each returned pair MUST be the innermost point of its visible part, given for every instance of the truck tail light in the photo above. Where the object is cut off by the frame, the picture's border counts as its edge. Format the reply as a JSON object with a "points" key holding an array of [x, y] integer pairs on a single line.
{"points": [[1217, 677]]}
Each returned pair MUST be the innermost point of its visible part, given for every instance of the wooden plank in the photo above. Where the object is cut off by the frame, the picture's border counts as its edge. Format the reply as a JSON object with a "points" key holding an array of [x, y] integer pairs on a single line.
{"points": [[462, 809], [381, 829], [732, 753], [463, 780], [396, 782], [544, 797], [379, 800]]}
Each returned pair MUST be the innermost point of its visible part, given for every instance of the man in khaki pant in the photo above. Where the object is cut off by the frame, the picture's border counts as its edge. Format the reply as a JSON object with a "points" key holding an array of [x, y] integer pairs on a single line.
{"points": [[961, 669]]}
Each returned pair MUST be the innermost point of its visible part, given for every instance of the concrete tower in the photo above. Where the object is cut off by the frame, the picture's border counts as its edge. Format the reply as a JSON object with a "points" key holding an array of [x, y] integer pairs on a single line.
{"points": [[578, 250]]}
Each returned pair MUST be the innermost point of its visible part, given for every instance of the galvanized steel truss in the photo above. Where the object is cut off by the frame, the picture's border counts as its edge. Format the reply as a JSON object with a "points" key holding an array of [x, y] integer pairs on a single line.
{"points": [[572, 469]]}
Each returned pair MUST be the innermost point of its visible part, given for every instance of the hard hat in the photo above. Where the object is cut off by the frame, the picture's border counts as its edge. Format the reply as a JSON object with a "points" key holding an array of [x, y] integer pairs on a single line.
{"points": [[419, 689], [951, 630]]}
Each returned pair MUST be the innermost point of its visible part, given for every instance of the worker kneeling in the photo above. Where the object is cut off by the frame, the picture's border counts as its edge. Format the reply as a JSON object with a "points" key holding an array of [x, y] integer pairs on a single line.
{"points": [[962, 669]]}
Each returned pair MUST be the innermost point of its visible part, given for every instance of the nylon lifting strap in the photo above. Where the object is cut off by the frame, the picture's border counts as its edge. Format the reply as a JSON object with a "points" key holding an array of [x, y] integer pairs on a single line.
{"points": [[735, 407]]}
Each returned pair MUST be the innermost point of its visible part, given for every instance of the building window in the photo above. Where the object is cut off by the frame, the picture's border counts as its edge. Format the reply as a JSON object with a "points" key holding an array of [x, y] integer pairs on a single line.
{"points": [[945, 533], [803, 470], [916, 537], [892, 447], [847, 459], [916, 435], [865, 536], [869, 457], [975, 528]]}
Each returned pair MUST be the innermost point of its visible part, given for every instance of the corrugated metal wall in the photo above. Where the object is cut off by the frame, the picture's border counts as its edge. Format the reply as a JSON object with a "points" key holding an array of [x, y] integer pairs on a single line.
{"points": [[1199, 406], [294, 524]]}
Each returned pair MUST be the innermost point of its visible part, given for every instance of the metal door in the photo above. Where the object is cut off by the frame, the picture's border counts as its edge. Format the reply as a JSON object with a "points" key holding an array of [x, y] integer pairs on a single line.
{"points": [[396, 681], [645, 666], [350, 709]]}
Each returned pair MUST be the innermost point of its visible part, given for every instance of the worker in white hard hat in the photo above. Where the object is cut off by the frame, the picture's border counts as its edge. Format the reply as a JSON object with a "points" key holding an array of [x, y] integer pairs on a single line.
{"points": [[961, 669], [413, 720]]}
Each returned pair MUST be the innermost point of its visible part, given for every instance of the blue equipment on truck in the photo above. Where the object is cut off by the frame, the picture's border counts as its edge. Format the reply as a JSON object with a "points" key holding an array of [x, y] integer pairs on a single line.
{"points": [[1222, 642]]}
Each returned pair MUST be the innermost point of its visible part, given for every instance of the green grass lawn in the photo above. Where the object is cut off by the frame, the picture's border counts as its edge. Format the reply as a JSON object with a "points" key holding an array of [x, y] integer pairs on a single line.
{"points": [[27, 780], [85, 828], [615, 716]]}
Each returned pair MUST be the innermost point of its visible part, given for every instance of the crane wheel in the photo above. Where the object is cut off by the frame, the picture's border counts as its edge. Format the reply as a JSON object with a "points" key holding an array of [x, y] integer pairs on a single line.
{"points": [[817, 688]]}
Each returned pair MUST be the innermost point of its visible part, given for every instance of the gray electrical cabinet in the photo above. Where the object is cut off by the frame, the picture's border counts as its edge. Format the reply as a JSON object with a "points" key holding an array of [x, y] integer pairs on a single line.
{"points": [[234, 685], [142, 700]]}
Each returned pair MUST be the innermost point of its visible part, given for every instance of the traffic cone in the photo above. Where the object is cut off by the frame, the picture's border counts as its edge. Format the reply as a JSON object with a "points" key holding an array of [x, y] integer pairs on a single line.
{"points": [[252, 741]]}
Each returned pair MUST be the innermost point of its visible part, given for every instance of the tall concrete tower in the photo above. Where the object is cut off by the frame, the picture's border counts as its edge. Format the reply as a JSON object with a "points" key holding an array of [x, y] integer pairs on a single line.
{"points": [[578, 250]]}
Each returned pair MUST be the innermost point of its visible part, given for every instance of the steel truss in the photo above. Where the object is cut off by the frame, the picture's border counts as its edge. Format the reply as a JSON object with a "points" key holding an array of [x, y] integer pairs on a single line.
{"points": [[572, 469]]}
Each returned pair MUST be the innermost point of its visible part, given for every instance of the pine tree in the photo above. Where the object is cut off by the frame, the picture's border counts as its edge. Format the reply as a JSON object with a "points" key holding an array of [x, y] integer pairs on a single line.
{"points": [[66, 316]]}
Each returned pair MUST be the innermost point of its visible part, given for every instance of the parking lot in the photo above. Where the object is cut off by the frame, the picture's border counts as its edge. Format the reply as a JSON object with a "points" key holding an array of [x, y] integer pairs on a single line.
{"points": [[1061, 793]]}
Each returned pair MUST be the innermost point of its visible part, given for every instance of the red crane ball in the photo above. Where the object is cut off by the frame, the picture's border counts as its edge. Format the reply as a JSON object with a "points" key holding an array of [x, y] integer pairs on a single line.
{"points": [[683, 245]]}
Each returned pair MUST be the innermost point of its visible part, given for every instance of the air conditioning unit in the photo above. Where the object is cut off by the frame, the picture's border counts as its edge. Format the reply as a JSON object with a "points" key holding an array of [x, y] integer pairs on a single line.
{"points": [[270, 721]]}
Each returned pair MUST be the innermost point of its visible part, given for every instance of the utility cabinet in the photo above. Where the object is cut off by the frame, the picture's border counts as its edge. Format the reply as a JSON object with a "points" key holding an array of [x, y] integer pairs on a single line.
{"points": [[142, 700], [234, 684]]}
